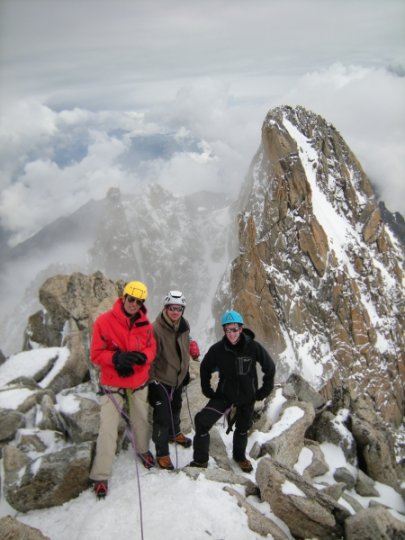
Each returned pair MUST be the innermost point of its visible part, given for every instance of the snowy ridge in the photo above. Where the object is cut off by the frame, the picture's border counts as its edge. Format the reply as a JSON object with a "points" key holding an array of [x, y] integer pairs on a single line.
{"points": [[343, 238]]}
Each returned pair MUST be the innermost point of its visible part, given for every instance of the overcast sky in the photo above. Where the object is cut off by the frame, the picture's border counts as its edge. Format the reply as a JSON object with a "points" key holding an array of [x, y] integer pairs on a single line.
{"points": [[82, 80]]}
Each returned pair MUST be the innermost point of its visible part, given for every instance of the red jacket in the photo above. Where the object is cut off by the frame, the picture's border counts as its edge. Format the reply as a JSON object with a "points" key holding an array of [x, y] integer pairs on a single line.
{"points": [[113, 330]]}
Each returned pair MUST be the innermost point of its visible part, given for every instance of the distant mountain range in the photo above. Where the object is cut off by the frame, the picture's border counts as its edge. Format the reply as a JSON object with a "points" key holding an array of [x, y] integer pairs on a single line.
{"points": [[170, 242]]}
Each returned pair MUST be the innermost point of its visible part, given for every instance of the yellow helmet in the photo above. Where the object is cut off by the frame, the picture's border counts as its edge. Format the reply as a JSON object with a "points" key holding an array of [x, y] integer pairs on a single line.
{"points": [[137, 289]]}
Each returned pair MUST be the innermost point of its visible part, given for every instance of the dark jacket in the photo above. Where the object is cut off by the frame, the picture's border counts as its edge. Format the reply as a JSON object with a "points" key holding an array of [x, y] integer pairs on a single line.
{"points": [[236, 364], [173, 358]]}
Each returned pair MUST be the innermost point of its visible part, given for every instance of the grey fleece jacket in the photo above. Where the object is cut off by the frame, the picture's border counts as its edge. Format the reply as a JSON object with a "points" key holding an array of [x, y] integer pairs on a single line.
{"points": [[173, 358]]}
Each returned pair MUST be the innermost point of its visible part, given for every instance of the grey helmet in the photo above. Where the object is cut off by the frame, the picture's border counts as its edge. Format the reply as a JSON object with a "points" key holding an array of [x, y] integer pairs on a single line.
{"points": [[174, 297]]}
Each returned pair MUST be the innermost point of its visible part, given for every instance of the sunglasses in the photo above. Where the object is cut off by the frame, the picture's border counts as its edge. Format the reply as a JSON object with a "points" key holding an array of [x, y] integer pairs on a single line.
{"points": [[132, 299], [231, 330], [179, 309]]}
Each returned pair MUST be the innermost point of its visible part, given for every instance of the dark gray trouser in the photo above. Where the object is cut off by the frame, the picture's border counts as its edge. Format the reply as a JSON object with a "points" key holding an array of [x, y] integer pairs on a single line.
{"points": [[166, 402], [211, 413]]}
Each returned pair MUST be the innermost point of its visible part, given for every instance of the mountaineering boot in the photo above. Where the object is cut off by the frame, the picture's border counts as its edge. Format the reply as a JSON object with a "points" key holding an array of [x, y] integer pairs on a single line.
{"points": [[100, 488], [245, 465], [165, 462], [148, 461], [181, 439], [202, 465]]}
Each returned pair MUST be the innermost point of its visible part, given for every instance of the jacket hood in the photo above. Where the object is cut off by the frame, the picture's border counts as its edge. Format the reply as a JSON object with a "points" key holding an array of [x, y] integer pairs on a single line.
{"points": [[163, 320], [247, 336], [249, 333]]}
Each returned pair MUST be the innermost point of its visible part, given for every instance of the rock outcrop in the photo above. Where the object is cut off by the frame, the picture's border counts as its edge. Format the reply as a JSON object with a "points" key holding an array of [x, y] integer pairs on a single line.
{"points": [[320, 276], [71, 303], [49, 480], [12, 529], [309, 512], [48, 436], [374, 523]]}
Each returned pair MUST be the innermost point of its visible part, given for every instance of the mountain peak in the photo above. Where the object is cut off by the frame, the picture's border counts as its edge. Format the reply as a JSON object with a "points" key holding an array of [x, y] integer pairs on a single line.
{"points": [[319, 274]]}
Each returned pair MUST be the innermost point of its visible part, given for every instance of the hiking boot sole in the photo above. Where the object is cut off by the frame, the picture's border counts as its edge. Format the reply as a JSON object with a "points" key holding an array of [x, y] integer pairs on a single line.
{"points": [[203, 465]]}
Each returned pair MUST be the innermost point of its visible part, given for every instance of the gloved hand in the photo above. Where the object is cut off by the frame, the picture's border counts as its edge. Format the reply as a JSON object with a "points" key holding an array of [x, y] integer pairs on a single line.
{"points": [[208, 392], [261, 394], [139, 357], [194, 350], [124, 362], [187, 379]]}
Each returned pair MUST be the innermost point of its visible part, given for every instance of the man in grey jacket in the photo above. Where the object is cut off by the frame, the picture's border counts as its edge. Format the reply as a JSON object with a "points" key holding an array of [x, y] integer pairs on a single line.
{"points": [[169, 374]]}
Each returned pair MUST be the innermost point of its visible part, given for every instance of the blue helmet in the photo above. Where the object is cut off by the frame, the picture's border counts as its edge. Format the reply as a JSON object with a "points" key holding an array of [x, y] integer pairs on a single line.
{"points": [[230, 317]]}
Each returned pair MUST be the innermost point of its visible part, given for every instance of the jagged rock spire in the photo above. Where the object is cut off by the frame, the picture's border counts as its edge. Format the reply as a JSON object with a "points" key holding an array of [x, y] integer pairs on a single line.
{"points": [[319, 275]]}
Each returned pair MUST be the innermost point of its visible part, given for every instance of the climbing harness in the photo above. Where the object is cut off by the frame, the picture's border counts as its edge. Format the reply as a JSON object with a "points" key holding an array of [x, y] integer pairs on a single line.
{"points": [[225, 414]]}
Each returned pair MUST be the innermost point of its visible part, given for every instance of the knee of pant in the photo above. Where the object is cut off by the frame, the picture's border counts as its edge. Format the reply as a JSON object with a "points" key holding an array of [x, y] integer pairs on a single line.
{"points": [[201, 421], [240, 435], [162, 415]]}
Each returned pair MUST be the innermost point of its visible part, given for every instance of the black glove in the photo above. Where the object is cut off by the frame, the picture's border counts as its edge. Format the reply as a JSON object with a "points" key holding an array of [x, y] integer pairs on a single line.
{"points": [[261, 393], [139, 358], [186, 379], [208, 392], [123, 362]]}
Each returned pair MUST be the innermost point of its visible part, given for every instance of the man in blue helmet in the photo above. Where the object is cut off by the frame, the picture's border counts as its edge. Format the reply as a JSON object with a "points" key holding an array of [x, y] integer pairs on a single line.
{"points": [[235, 358]]}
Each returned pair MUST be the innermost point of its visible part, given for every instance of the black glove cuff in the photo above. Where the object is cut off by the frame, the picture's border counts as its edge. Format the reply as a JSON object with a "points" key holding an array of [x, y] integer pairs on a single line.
{"points": [[124, 371], [115, 357]]}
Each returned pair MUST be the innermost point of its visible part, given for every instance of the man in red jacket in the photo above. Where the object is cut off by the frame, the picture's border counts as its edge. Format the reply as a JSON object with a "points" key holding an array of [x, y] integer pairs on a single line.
{"points": [[123, 346]]}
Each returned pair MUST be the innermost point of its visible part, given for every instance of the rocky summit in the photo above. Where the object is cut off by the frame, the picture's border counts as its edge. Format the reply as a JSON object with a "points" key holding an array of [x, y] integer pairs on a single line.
{"points": [[318, 278]]}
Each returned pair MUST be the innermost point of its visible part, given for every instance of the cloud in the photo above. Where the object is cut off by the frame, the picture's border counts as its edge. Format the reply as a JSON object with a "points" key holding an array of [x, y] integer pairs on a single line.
{"points": [[81, 154], [205, 138], [136, 53], [167, 92], [45, 190]]}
